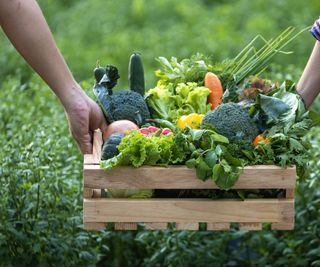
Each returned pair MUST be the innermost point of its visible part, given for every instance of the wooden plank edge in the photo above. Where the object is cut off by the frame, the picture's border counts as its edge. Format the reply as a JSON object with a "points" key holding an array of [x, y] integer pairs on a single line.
{"points": [[128, 177], [94, 225], [97, 145], [218, 226], [88, 159], [287, 214], [187, 226], [92, 193], [290, 193], [87, 192], [125, 226], [188, 210], [283, 226], [250, 226], [155, 226]]}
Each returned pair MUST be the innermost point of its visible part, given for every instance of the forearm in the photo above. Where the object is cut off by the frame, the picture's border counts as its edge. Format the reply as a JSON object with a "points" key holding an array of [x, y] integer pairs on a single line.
{"points": [[309, 84], [26, 27]]}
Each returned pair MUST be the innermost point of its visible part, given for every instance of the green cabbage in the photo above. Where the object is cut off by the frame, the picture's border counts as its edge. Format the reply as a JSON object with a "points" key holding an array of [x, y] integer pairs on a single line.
{"points": [[130, 193]]}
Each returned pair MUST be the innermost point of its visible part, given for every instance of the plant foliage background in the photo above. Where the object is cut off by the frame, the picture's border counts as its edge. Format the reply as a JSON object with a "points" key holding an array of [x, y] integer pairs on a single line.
{"points": [[41, 167]]}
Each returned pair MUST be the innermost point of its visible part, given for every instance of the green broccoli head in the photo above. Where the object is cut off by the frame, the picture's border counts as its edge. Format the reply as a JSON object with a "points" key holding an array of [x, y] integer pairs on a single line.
{"points": [[129, 105], [232, 121]]}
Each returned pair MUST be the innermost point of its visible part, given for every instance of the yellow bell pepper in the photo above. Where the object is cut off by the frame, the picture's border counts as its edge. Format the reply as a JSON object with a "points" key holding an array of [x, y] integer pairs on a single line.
{"points": [[193, 120]]}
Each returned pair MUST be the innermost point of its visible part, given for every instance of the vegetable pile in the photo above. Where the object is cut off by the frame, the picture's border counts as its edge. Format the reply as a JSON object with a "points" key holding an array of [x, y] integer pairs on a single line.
{"points": [[215, 117]]}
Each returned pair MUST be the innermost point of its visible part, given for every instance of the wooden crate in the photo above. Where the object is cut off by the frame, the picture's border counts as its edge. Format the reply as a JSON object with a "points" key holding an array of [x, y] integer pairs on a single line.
{"points": [[185, 213]]}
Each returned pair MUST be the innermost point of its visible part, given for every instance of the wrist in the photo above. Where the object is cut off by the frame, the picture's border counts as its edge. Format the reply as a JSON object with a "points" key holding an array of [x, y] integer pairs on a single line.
{"points": [[302, 98], [71, 96]]}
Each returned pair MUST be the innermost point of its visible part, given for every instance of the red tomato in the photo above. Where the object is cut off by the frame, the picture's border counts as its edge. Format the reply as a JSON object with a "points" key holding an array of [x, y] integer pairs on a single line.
{"points": [[121, 126]]}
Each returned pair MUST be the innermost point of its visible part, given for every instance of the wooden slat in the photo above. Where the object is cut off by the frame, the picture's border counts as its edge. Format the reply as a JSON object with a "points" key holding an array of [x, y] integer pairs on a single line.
{"points": [[92, 193], [97, 146], [187, 210], [96, 193], [289, 193], [187, 226], [218, 226], [155, 226], [250, 226], [87, 192], [88, 159], [94, 225], [125, 226], [173, 177], [287, 223], [283, 226]]}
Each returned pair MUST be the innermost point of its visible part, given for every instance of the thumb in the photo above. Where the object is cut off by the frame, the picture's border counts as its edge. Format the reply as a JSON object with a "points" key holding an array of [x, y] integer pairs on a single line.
{"points": [[103, 125], [97, 119]]}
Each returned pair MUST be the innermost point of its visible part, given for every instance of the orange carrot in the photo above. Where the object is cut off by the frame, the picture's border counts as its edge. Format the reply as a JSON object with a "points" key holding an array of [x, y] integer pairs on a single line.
{"points": [[260, 138], [212, 82]]}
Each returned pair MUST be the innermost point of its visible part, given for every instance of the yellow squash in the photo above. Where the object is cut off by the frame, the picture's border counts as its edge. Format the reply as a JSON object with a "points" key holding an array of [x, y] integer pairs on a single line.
{"points": [[193, 120]]}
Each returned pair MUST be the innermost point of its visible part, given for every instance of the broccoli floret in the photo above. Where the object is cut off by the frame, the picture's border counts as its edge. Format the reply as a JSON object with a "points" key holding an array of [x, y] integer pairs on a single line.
{"points": [[121, 105], [232, 121], [129, 105]]}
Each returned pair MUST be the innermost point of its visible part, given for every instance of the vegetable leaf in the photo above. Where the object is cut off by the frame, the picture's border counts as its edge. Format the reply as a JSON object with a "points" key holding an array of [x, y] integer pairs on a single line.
{"points": [[224, 175]]}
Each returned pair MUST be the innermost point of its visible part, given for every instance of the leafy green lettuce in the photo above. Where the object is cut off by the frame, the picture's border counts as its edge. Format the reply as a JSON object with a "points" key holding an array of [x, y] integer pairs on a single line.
{"points": [[170, 102], [187, 70], [137, 149]]}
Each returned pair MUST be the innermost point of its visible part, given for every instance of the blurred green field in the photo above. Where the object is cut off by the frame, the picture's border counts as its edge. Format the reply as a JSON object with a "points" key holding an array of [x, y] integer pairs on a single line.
{"points": [[109, 31], [41, 167]]}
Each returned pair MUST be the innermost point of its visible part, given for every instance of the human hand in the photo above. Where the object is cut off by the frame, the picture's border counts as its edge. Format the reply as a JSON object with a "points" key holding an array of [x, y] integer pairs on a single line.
{"points": [[84, 116], [31, 36]]}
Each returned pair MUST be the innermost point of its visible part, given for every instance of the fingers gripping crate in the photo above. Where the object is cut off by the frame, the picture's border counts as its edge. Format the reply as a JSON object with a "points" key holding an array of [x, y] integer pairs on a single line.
{"points": [[155, 213]]}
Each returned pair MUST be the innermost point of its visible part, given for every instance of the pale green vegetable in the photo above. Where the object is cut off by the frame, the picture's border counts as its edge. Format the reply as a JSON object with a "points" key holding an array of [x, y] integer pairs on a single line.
{"points": [[130, 193]]}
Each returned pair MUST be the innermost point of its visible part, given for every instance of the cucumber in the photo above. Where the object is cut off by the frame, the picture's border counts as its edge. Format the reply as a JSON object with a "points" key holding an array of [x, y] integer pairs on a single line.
{"points": [[136, 74]]}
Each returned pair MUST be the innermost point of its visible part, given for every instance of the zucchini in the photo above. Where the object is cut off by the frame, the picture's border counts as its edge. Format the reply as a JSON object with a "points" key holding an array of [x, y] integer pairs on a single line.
{"points": [[109, 149], [136, 74]]}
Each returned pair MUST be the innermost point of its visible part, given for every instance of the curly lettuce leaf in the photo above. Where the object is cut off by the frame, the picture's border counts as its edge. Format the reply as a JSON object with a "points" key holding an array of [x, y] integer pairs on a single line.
{"points": [[170, 102], [198, 100], [162, 102], [137, 149], [190, 69]]}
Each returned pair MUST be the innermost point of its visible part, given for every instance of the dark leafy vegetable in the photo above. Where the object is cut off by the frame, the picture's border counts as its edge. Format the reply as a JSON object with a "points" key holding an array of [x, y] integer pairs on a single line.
{"points": [[281, 107], [272, 107]]}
